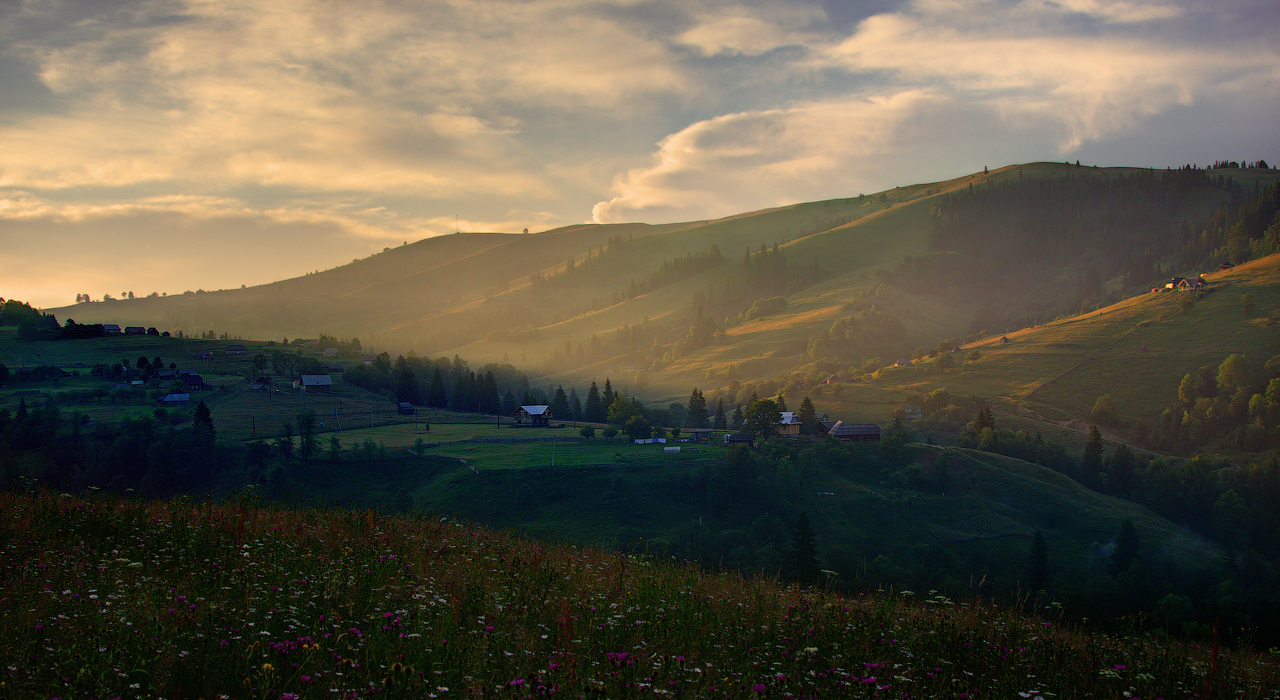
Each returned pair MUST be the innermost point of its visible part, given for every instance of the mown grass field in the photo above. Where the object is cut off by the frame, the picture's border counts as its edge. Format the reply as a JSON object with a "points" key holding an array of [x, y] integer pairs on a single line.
{"points": [[133, 599]]}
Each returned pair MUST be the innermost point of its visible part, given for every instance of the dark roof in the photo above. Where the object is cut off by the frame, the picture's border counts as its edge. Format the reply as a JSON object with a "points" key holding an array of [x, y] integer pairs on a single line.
{"points": [[842, 428], [316, 380]]}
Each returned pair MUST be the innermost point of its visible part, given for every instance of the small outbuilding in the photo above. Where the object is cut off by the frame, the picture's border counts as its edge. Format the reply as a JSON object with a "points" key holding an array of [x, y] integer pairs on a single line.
{"points": [[176, 398], [236, 350], [405, 408]]}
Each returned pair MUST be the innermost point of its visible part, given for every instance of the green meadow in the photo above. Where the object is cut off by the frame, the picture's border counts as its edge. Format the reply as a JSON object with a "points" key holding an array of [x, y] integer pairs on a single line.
{"points": [[109, 597]]}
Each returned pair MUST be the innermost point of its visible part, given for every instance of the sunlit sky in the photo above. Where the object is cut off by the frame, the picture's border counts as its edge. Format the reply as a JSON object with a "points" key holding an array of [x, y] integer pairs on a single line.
{"points": [[169, 146]]}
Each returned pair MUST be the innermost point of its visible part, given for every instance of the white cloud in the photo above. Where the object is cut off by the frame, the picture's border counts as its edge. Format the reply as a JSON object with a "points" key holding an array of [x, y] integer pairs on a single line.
{"points": [[1018, 75], [752, 31], [761, 158]]}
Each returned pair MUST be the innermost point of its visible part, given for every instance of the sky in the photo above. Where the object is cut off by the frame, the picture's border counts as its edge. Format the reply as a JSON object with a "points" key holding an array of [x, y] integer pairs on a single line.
{"points": [[178, 145]]}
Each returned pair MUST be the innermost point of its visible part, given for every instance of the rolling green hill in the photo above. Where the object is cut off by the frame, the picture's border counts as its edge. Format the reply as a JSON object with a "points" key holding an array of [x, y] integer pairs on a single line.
{"points": [[621, 302], [493, 296]]}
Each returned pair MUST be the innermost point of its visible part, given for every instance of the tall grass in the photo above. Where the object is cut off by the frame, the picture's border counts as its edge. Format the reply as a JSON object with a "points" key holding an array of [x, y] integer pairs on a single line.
{"points": [[112, 598]]}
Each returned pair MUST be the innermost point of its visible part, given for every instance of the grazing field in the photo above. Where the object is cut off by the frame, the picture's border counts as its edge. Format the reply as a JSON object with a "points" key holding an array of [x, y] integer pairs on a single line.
{"points": [[108, 597]]}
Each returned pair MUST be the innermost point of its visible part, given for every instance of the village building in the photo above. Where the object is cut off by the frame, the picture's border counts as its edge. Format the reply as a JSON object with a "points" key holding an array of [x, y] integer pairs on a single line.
{"points": [[855, 432], [111, 329], [748, 439], [699, 434], [193, 382], [789, 426], [204, 354], [1186, 284], [176, 398], [314, 382], [538, 416], [135, 330], [236, 350], [405, 408]]}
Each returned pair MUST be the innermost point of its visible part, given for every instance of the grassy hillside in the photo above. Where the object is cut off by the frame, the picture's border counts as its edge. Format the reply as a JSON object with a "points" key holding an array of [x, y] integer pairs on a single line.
{"points": [[205, 598], [477, 294], [1136, 351]]}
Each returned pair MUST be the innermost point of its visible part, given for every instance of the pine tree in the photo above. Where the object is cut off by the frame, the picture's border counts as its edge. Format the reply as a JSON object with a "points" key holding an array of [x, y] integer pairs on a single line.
{"points": [[808, 417], [782, 403], [721, 420], [575, 405], [407, 386], [737, 418], [696, 417], [438, 398], [593, 412], [1038, 564], [560, 405], [606, 399], [489, 399], [801, 564], [202, 422]]}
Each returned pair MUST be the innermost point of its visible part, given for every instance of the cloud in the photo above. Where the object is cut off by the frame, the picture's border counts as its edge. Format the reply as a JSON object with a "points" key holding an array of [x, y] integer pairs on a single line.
{"points": [[752, 31], [998, 74], [325, 97], [766, 158]]}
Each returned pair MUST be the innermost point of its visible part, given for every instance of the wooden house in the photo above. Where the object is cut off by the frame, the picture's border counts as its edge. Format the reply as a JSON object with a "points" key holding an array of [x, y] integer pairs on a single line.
{"points": [[111, 329], [855, 432], [532, 417], [748, 439], [176, 398], [699, 434], [193, 382], [314, 382], [789, 426], [204, 354], [236, 350], [405, 408], [135, 330]]}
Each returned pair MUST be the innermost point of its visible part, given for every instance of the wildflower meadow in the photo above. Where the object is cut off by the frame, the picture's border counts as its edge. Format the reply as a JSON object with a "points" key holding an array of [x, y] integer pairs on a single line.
{"points": [[108, 598]]}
